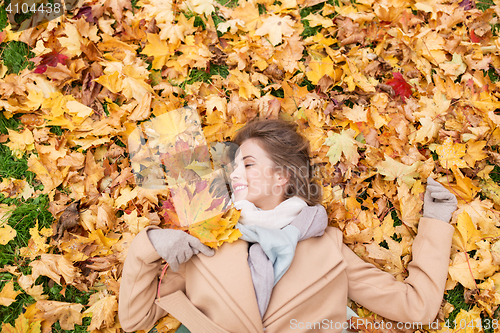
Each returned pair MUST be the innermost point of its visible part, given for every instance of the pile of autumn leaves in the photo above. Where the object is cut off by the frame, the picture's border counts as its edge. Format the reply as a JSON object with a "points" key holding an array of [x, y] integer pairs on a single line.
{"points": [[387, 92]]}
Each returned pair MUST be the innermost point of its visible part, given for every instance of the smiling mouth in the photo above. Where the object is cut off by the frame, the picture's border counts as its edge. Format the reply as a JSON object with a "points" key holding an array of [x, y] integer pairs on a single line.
{"points": [[238, 188]]}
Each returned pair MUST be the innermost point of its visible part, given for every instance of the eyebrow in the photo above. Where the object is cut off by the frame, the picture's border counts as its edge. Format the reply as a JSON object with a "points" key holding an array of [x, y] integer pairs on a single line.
{"points": [[248, 156]]}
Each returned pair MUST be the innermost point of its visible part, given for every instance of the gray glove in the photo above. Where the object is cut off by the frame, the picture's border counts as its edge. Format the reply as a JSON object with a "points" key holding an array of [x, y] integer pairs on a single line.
{"points": [[176, 246], [439, 203]]}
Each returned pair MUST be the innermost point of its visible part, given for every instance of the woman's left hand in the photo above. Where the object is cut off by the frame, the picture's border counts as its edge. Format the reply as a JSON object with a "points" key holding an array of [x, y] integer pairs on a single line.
{"points": [[439, 203]]}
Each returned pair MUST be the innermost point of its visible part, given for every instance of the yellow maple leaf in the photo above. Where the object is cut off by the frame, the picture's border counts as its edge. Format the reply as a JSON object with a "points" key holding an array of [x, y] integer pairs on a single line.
{"points": [[20, 142], [159, 49], [466, 234], [54, 266], [318, 20], [8, 295], [7, 233], [102, 312], [67, 314], [201, 6], [276, 27], [22, 325], [37, 243], [433, 107], [242, 80], [469, 321], [462, 270], [248, 12], [451, 154], [342, 143], [475, 152], [322, 67], [112, 82], [410, 206], [392, 169], [135, 223], [464, 189], [429, 130]]}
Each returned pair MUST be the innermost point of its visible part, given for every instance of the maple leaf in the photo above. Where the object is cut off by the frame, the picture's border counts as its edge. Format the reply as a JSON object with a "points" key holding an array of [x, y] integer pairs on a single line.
{"points": [[193, 202], [20, 142], [246, 87], [7, 233], [37, 243], [276, 27], [54, 266], [22, 325], [50, 59], [67, 314], [102, 312], [464, 189], [158, 49], [392, 170], [7, 294], [467, 235], [451, 154], [342, 143], [400, 86], [475, 152], [462, 270], [323, 67], [410, 206]]}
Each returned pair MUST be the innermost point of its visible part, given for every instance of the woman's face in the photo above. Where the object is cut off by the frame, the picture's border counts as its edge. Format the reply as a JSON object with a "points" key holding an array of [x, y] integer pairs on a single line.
{"points": [[255, 178]]}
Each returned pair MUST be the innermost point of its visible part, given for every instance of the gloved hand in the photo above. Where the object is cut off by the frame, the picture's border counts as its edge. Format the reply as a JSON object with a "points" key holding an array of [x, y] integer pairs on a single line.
{"points": [[176, 246], [439, 203]]}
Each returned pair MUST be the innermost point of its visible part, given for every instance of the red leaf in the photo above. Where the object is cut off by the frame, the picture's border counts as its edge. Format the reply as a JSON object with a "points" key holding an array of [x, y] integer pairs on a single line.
{"points": [[50, 59], [400, 86], [473, 37]]}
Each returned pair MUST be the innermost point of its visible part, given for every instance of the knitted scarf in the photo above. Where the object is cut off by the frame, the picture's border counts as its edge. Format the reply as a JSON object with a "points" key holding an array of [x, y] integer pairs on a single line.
{"points": [[275, 234]]}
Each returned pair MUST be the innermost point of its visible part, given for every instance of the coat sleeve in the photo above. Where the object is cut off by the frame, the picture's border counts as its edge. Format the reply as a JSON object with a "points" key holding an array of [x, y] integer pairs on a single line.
{"points": [[139, 285], [418, 298]]}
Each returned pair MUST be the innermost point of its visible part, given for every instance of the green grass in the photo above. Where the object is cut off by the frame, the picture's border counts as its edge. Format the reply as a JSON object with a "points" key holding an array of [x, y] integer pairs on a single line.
{"points": [[228, 3], [201, 75], [24, 215], [484, 4], [456, 298], [495, 174], [3, 18], [16, 55], [10, 166]]}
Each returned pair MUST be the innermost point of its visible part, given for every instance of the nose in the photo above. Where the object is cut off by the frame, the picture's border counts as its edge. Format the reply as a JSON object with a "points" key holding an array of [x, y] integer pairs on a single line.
{"points": [[235, 174]]}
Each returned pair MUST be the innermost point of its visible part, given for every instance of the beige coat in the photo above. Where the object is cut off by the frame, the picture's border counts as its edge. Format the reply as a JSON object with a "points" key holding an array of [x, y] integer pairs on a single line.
{"points": [[215, 294]]}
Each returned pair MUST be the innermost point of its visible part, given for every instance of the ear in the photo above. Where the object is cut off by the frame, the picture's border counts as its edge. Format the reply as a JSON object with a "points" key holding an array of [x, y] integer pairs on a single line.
{"points": [[281, 179]]}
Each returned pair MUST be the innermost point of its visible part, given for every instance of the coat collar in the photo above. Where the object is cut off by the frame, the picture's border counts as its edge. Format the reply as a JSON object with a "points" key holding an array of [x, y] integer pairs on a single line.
{"points": [[230, 268]]}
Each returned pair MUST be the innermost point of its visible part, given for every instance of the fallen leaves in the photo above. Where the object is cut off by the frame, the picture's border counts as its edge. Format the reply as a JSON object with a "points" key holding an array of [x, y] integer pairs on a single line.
{"points": [[102, 312], [7, 294], [387, 94]]}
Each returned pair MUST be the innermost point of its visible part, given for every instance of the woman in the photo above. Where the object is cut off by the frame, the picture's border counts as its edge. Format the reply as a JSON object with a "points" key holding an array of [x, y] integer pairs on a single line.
{"points": [[289, 272]]}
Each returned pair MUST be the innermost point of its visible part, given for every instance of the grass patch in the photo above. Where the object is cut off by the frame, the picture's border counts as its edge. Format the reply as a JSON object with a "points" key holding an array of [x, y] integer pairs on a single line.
{"points": [[12, 167], [495, 174], [484, 4], [11, 123], [228, 3], [3, 18], [201, 75], [492, 75], [456, 298], [15, 56]]}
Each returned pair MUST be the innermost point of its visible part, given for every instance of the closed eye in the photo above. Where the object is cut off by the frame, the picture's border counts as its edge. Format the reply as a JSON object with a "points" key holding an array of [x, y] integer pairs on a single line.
{"points": [[247, 165]]}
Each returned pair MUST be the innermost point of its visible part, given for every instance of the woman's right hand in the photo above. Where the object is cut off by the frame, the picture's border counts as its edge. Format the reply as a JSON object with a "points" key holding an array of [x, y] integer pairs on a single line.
{"points": [[176, 246]]}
